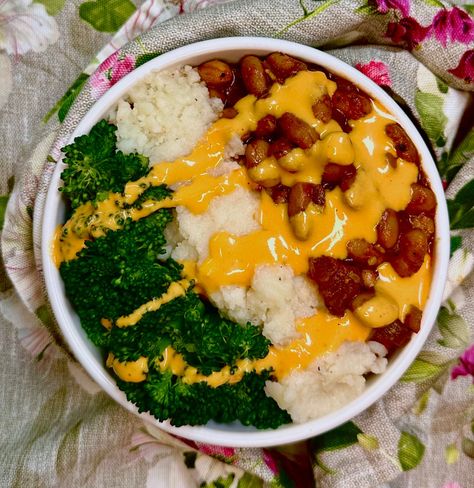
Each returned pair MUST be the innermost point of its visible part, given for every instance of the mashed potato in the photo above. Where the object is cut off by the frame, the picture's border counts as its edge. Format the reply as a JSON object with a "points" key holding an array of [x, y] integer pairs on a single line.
{"points": [[276, 299], [330, 382], [165, 115]]}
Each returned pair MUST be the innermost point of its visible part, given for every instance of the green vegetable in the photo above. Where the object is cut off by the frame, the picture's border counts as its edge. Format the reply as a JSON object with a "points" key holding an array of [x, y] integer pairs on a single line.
{"points": [[115, 274], [95, 167], [166, 396], [196, 330]]}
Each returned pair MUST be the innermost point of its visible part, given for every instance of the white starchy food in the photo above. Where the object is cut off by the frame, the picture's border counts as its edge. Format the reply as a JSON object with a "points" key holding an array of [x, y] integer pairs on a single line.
{"points": [[330, 382], [165, 115], [235, 213], [275, 299]]}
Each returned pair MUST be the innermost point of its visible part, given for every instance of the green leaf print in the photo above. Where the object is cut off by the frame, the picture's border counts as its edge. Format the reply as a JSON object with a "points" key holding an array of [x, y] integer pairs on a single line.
{"points": [[220, 482], [367, 9], [467, 446], [106, 15], [339, 438], [368, 442], [426, 366], [307, 14], [461, 208], [64, 104], [442, 86], [456, 243], [459, 156], [469, 9], [434, 3], [454, 330], [144, 58], [410, 451], [433, 120], [53, 7], [250, 481], [190, 459], [422, 403], [451, 454], [3, 208]]}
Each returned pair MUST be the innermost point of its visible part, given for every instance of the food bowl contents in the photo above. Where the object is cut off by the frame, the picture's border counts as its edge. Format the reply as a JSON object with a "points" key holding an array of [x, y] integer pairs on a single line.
{"points": [[246, 241]]}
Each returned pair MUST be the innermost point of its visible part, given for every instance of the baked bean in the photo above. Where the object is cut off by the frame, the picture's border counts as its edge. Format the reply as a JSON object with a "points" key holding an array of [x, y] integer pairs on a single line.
{"points": [[297, 130], [293, 161], [338, 174], [413, 318], [229, 113], [364, 253], [414, 246], [412, 249], [351, 102], [280, 193], [255, 152], [253, 76], [339, 282], [388, 229], [392, 336], [301, 195], [266, 126], [322, 109], [266, 173], [403, 144], [284, 66], [369, 277], [363, 297], [216, 73], [422, 222], [236, 90], [422, 200], [280, 147]]}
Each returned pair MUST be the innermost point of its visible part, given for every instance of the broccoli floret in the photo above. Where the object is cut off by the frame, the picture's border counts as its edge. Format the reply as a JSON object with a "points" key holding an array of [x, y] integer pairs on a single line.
{"points": [[115, 274], [166, 396], [196, 330], [95, 167]]}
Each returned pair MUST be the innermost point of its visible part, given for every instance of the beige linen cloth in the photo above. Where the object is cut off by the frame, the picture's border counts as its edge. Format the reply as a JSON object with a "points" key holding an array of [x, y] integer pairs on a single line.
{"points": [[57, 428]]}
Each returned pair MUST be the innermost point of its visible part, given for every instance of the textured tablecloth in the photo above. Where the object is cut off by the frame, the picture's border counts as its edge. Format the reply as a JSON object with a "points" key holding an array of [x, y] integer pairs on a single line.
{"points": [[57, 428]]}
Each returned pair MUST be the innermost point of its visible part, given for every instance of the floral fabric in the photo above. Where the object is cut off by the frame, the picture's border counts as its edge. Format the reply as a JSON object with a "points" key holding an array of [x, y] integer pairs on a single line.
{"points": [[58, 428]]}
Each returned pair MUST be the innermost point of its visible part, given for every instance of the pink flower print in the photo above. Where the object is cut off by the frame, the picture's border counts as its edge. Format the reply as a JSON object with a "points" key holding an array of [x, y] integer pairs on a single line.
{"points": [[465, 68], [452, 484], [377, 71], [224, 453], [466, 366], [383, 6], [113, 69], [270, 462], [407, 32], [455, 25]]}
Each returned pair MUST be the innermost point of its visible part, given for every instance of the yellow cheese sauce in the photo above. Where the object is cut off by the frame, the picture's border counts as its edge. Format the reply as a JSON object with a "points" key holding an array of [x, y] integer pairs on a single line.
{"points": [[319, 334], [233, 259], [175, 290], [131, 371]]}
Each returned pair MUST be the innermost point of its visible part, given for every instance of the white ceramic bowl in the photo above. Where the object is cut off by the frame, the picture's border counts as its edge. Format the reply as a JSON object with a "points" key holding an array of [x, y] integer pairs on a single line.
{"points": [[232, 49]]}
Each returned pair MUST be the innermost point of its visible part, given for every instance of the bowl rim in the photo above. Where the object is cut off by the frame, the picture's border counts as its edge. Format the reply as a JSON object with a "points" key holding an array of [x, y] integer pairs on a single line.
{"points": [[222, 434]]}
